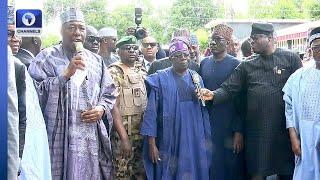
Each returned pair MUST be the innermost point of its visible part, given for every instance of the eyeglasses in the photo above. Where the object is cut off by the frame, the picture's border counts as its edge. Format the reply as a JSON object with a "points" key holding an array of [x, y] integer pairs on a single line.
{"points": [[145, 45], [93, 39], [180, 55], [315, 49], [11, 33], [129, 47]]}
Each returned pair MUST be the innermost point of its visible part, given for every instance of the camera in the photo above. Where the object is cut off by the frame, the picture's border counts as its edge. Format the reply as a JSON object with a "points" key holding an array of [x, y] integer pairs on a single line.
{"points": [[140, 32]]}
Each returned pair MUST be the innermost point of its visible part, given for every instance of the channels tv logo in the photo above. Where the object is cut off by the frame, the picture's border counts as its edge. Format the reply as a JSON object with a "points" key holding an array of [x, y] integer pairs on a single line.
{"points": [[28, 19], [28, 22]]}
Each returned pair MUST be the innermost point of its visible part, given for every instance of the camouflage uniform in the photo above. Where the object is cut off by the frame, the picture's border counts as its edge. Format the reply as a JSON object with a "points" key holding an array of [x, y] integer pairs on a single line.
{"points": [[133, 99]]}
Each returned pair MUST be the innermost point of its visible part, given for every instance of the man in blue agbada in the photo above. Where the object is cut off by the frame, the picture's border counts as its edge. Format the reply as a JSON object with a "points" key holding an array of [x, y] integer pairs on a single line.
{"points": [[176, 126], [302, 94], [226, 121]]}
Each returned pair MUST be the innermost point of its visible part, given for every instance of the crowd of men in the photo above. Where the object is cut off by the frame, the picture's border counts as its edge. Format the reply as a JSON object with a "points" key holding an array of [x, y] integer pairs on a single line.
{"points": [[98, 107]]}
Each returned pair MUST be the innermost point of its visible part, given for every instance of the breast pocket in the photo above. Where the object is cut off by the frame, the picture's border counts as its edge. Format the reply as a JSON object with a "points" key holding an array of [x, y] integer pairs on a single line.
{"points": [[128, 97]]}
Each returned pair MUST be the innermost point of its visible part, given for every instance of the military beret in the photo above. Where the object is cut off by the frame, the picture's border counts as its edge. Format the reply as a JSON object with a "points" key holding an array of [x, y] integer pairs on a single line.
{"points": [[11, 19], [72, 15], [314, 34], [126, 40], [262, 28]]}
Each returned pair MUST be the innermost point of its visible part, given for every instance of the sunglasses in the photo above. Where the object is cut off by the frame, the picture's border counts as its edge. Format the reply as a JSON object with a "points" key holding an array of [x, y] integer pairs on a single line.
{"points": [[129, 47], [93, 39], [180, 55], [145, 45], [11, 34]]}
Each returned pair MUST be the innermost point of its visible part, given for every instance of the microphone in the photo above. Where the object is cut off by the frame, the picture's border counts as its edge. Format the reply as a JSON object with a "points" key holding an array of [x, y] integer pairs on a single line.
{"points": [[79, 46], [80, 75], [196, 82], [79, 49]]}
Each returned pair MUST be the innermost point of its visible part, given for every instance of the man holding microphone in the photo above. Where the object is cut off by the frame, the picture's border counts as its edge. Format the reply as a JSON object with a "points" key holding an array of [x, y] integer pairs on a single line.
{"points": [[75, 91]]}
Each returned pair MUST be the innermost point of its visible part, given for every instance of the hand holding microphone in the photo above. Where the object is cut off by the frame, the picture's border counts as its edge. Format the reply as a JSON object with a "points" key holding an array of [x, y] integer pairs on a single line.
{"points": [[77, 62], [196, 82]]}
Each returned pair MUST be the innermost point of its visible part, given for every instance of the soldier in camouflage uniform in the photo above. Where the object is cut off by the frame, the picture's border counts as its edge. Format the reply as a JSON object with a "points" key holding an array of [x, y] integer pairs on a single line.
{"points": [[131, 102]]}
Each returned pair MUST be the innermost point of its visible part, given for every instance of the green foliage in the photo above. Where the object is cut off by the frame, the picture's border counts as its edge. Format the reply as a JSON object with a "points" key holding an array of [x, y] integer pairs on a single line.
{"points": [[260, 9], [50, 40], [192, 14], [53, 8], [94, 10], [275, 9], [157, 23], [95, 13], [121, 18], [202, 36], [286, 9], [315, 10]]}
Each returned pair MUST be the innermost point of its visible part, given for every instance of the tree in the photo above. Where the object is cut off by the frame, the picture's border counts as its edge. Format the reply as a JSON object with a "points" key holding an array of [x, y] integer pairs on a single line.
{"points": [[304, 7], [121, 18], [53, 8], [193, 14], [202, 36], [315, 10], [155, 21], [95, 13], [286, 9], [278, 9], [49, 40]]}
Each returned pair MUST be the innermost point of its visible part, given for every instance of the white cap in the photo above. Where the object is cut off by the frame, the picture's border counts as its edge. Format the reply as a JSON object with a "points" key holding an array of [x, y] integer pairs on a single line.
{"points": [[72, 14], [107, 32]]}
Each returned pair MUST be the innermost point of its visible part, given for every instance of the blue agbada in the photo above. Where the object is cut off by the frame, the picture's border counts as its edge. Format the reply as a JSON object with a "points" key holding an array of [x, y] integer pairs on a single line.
{"points": [[301, 95], [175, 117], [225, 120]]}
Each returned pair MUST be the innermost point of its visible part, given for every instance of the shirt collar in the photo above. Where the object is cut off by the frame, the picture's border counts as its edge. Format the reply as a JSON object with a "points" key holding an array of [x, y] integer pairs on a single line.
{"points": [[146, 62]]}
